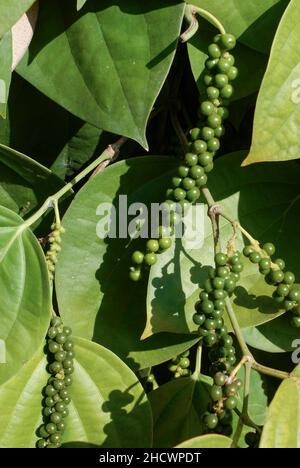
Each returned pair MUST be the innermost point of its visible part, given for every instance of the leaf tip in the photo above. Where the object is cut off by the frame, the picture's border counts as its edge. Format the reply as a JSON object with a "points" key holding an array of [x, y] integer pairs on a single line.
{"points": [[247, 162]]}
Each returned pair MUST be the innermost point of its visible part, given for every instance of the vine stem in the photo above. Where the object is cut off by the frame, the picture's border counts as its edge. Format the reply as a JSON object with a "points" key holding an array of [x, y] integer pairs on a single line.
{"points": [[236, 225], [214, 211], [107, 156], [56, 212], [190, 16], [198, 362], [179, 131], [244, 416], [237, 369], [269, 371], [237, 330], [254, 243]]}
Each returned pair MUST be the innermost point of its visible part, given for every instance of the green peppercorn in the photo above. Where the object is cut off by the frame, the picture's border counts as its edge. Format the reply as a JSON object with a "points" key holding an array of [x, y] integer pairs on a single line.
{"points": [[152, 245], [255, 257], [137, 257], [269, 248], [221, 259], [207, 108], [227, 41], [205, 158], [221, 80], [191, 159], [220, 379], [214, 51], [135, 274], [165, 243], [216, 392], [196, 171]]}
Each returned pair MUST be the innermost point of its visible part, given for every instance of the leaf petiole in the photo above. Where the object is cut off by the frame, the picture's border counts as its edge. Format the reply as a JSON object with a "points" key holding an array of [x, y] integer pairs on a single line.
{"points": [[190, 16], [52, 202]]}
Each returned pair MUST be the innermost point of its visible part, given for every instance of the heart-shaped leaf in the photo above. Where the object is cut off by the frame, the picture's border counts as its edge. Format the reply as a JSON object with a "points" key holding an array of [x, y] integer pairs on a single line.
{"points": [[268, 213], [178, 407], [277, 115], [86, 142], [282, 426], [93, 308], [258, 398], [52, 136], [274, 337], [24, 183], [108, 408], [119, 89], [254, 22], [5, 70], [11, 11], [20, 403], [25, 294], [206, 441]]}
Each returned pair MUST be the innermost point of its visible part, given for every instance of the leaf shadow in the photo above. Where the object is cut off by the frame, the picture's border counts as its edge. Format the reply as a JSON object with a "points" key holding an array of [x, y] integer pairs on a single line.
{"points": [[264, 304], [125, 425], [124, 305], [169, 296], [162, 286], [162, 55], [115, 406], [268, 21]]}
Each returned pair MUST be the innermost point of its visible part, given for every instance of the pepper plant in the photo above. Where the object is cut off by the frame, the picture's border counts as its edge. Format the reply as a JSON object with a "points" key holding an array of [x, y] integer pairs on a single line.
{"points": [[117, 329]]}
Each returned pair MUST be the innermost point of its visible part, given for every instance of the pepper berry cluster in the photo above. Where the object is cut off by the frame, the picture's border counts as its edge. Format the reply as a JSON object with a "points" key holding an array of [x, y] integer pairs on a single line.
{"points": [[56, 392], [179, 365], [203, 146], [223, 394], [54, 248], [286, 294], [211, 306]]}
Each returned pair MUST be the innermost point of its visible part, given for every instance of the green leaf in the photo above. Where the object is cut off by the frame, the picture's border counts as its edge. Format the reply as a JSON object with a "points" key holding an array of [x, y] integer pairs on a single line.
{"points": [[94, 305], [88, 141], [282, 426], [5, 70], [119, 89], [277, 115], [274, 337], [178, 407], [25, 294], [11, 11], [206, 441], [80, 4], [111, 412], [244, 56], [253, 22], [265, 200], [24, 183], [257, 406], [258, 398], [20, 403], [37, 126]]}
